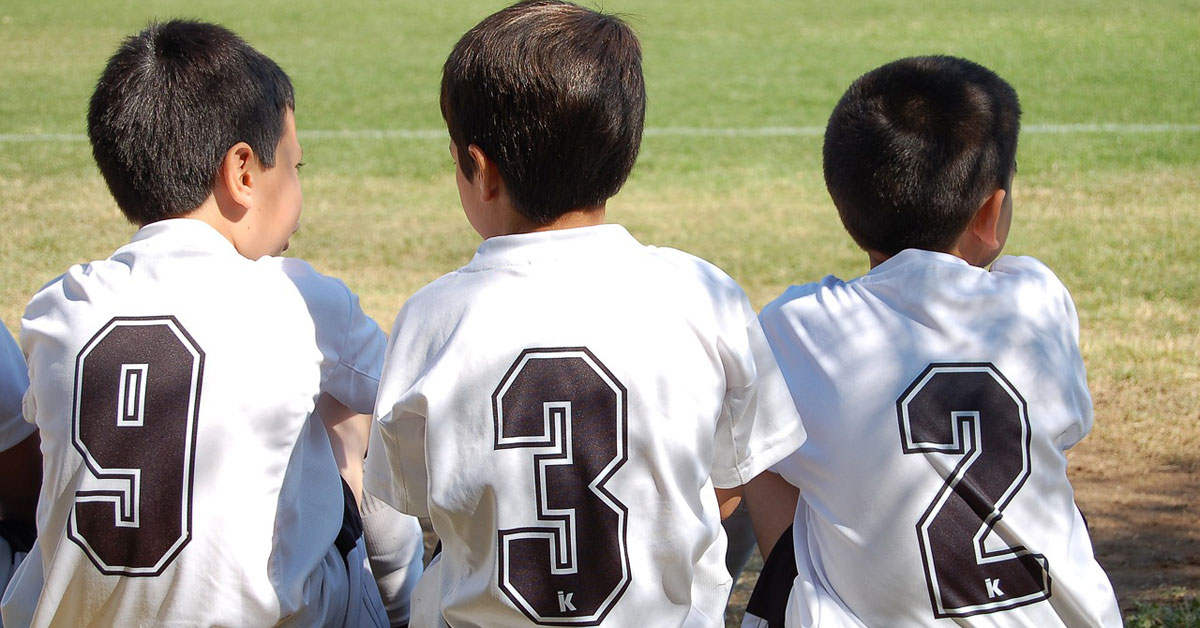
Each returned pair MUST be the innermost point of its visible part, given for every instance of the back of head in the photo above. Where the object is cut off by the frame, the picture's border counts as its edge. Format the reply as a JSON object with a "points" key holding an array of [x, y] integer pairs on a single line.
{"points": [[553, 93], [915, 146], [171, 101]]}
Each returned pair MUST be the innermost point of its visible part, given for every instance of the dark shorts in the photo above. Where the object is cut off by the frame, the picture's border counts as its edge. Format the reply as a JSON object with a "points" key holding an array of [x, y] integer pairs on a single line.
{"points": [[20, 536], [352, 527], [770, 596]]}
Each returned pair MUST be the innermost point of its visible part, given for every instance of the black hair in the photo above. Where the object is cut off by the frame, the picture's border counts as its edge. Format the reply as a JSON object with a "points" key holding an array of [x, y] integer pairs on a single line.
{"points": [[171, 102], [915, 146], [553, 93]]}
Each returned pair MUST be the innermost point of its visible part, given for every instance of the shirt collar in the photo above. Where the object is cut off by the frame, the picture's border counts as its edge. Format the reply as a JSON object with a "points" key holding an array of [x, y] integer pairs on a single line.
{"points": [[190, 231], [524, 248], [916, 256]]}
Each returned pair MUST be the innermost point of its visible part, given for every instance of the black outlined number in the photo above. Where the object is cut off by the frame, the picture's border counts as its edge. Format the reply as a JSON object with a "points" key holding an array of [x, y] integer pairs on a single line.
{"points": [[572, 566], [973, 426], [137, 396]]}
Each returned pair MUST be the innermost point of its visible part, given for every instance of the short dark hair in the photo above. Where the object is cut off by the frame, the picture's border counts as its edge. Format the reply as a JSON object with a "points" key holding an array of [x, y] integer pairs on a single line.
{"points": [[915, 146], [553, 93], [171, 102]]}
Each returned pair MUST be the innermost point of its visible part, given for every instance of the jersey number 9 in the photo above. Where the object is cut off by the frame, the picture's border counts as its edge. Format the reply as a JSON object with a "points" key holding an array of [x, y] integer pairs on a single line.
{"points": [[137, 396]]}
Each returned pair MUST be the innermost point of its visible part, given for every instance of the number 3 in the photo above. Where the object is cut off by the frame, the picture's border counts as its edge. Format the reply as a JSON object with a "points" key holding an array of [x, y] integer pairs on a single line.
{"points": [[137, 395], [565, 403], [971, 411]]}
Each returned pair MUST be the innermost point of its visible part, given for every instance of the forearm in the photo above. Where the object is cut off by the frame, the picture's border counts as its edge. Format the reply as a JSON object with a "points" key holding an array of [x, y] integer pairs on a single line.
{"points": [[348, 432], [771, 501]]}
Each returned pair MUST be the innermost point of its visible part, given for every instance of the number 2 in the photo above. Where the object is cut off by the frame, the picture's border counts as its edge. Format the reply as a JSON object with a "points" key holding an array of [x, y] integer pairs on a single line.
{"points": [[972, 412], [137, 396], [572, 567]]}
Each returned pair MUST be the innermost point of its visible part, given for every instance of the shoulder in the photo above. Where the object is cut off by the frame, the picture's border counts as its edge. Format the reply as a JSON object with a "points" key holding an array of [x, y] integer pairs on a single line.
{"points": [[1032, 283], [800, 299], [322, 293], [697, 271], [448, 293], [334, 308], [1023, 265]]}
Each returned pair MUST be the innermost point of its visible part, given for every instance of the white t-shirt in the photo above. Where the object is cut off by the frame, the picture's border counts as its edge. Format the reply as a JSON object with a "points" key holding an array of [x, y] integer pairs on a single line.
{"points": [[13, 381], [186, 482], [938, 396], [562, 407]]}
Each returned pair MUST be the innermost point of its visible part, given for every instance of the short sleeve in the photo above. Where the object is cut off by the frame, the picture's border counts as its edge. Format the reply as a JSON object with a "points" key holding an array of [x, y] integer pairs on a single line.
{"points": [[351, 342], [355, 379], [14, 381], [395, 469], [759, 424], [1060, 320]]}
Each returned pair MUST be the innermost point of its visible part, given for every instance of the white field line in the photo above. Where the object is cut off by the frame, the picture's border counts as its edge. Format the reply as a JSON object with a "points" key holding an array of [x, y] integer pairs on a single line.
{"points": [[670, 131]]}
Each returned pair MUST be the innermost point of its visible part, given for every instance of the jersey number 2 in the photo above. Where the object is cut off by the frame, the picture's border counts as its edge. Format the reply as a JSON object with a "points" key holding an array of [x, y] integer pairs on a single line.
{"points": [[573, 565], [971, 424], [137, 394]]}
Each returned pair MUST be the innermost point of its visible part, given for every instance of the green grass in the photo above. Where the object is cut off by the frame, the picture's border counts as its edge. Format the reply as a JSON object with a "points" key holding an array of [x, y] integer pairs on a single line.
{"points": [[1184, 614], [1112, 212]]}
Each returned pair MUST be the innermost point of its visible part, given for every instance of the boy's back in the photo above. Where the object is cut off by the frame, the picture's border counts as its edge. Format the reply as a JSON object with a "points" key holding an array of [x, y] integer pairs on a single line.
{"points": [[644, 357], [182, 413], [563, 406], [938, 395], [188, 478]]}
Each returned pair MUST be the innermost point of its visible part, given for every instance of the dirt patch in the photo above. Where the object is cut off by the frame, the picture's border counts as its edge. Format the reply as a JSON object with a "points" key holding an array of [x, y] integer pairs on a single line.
{"points": [[1145, 524]]}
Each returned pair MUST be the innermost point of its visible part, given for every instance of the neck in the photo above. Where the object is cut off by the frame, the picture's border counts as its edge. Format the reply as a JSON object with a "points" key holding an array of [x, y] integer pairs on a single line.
{"points": [[586, 217], [209, 212], [876, 258]]}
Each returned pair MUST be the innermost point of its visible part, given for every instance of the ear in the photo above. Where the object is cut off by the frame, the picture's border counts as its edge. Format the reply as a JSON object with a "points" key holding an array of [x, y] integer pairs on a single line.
{"points": [[487, 181], [985, 224], [236, 174]]}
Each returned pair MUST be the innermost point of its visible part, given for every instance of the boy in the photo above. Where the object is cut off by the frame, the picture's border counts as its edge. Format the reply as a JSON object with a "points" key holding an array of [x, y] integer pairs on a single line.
{"points": [[562, 406], [20, 461], [187, 389], [939, 397]]}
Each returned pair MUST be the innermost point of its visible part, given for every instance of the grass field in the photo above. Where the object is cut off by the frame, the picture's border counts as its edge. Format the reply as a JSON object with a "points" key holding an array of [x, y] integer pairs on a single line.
{"points": [[1107, 191]]}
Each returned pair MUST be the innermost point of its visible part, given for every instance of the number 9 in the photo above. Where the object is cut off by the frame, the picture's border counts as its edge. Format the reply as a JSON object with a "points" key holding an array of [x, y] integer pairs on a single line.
{"points": [[137, 397]]}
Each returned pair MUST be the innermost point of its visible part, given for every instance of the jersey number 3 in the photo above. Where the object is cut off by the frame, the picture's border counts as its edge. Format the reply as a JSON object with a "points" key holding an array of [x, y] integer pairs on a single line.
{"points": [[971, 424], [137, 394], [572, 412]]}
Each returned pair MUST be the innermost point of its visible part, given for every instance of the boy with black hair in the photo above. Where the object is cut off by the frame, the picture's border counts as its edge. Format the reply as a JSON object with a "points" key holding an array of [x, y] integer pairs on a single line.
{"points": [[562, 406], [196, 395], [939, 396]]}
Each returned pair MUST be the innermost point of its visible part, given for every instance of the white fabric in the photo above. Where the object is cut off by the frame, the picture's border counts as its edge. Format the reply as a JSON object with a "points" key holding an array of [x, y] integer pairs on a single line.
{"points": [[705, 404], [395, 547], [13, 382], [851, 352], [365, 606], [266, 501]]}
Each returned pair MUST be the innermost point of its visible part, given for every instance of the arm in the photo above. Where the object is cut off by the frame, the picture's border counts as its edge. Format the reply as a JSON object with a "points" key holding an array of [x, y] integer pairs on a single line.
{"points": [[728, 499], [21, 480], [772, 504], [348, 434], [396, 549]]}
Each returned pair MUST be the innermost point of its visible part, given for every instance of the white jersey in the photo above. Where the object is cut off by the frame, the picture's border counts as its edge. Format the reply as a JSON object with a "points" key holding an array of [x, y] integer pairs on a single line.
{"points": [[186, 482], [939, 399], [13, 382], [562, 407]]}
